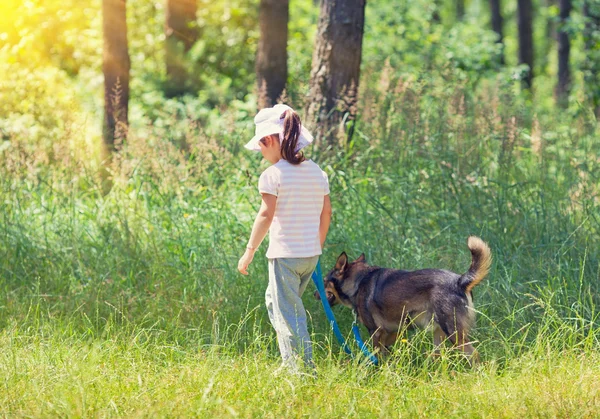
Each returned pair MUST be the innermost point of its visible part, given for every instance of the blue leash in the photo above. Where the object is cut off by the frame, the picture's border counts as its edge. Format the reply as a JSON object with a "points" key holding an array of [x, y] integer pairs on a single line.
{"points": [[317, 278]]}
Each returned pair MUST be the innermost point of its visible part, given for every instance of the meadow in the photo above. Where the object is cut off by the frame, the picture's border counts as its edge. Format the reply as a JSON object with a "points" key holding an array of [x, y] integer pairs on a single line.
{"points": [[129, 303], [119, 290]]}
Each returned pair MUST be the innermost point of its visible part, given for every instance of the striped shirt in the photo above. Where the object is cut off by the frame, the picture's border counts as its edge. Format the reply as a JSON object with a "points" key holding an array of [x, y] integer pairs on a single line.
{"points": [[300, 190]]}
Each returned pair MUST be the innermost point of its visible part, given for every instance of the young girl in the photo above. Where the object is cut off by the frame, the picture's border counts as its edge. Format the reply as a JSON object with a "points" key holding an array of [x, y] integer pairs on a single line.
{"points": [[296, 211]]}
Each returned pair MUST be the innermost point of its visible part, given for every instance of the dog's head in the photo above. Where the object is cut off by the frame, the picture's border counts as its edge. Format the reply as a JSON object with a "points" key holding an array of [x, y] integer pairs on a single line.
{"points": [[341, 272]]}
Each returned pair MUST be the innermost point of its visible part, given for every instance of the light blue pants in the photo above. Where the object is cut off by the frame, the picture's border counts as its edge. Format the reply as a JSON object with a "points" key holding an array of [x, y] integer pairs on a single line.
{"points": [[288, 278]]}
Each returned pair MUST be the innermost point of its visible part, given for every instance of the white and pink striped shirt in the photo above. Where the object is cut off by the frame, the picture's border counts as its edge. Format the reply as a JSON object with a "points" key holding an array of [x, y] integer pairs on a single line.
{"points": [[300, 190]]}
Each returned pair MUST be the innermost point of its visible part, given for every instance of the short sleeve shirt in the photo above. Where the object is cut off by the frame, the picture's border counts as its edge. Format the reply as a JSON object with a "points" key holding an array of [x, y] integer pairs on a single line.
{"points": [[300, 190]]}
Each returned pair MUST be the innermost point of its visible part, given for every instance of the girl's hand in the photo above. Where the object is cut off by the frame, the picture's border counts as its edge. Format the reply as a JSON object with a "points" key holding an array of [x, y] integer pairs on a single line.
{"points": [[245, 261]]}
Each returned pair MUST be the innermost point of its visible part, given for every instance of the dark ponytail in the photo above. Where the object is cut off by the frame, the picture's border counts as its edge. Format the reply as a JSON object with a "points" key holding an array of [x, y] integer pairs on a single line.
{"points": [[291, 133]]}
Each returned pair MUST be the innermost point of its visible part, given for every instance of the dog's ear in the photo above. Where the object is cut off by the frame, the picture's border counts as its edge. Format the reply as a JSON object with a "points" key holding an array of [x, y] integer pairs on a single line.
{"points": [[361, 258], [342, 262]]}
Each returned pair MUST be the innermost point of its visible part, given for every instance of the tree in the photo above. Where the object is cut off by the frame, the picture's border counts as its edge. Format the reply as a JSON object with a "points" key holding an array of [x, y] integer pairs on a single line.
{"points": [[460, 9], [564, 49], [591, 70], [181, 34], [550, 36], [336, 68], [525, 21], [497, 23], [271, 57], [115, 66], [435, 15]]}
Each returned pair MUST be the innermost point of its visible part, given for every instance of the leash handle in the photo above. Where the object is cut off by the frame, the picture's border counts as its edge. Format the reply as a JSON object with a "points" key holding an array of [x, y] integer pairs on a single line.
{"points": [[317, 278]]}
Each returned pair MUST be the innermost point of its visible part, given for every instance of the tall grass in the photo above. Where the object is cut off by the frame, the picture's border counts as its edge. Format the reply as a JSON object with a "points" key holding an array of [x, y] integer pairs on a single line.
{"points": [[130, 303]]}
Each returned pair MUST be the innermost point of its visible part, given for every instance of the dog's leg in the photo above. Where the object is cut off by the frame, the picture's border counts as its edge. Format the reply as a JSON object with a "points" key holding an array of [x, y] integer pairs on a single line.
{"points": [[390, 340], [460, 340], [379, 341], [456, 327], [438, 338], [469, 350]]}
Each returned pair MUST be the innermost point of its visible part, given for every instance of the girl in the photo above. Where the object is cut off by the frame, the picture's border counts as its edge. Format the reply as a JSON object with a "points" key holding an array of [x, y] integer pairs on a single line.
{"points": [[296, 211]]}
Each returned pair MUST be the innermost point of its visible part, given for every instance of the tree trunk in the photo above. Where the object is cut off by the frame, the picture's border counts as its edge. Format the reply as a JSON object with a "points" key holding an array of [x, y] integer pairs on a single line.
{"points": [[591, 12], [460, 9], [181, 34], [525, 22], [547, 45], [435, 15], [564, 49], [115, 66], [336, 69], [497, 23], [271, 57]]}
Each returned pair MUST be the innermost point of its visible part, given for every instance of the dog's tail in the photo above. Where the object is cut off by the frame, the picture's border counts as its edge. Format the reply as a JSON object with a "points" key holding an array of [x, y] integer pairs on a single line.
{"points": [[480, 264]]}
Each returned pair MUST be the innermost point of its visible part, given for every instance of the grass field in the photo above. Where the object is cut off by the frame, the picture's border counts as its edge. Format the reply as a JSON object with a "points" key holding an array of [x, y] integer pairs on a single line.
{"points": [[129, 304], [69, 376]]}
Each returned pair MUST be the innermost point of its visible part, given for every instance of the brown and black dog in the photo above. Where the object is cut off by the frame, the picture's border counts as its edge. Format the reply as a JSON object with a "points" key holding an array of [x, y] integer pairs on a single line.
{"points": [[387, 300]]}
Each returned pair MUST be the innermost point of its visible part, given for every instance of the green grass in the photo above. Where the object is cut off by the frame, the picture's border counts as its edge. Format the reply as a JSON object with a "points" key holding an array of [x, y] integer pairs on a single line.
{"points": [[129, 304], [120, 376]]}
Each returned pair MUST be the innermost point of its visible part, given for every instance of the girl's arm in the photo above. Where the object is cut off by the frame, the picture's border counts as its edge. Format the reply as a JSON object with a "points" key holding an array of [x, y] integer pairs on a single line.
{"points": [[259, 230], [325, 220]]}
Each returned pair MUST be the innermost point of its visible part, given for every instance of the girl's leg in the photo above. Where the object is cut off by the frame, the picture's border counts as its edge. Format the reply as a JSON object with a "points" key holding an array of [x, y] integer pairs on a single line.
{"points": [[287, 280], [306, 267]]}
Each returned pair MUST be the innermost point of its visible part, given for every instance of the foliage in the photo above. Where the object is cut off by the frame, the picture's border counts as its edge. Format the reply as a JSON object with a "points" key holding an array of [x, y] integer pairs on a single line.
{"points": [[129, 303], [428, 166], [38, 33]]}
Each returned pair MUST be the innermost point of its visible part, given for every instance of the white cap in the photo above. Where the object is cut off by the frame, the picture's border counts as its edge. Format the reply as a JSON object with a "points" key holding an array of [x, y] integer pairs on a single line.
{"points": [[270, 121]]}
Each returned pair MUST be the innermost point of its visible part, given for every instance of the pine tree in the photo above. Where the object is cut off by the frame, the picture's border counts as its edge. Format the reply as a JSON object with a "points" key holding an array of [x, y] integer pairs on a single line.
{"points": [[525, 23], [497, 24], [115, 66], [271, 57], [181, 34], [336, 69], [564, 50]]}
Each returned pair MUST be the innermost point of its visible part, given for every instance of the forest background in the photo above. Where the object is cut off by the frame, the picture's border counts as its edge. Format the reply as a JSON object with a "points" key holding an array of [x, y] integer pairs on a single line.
{"points": [[119, 241]]}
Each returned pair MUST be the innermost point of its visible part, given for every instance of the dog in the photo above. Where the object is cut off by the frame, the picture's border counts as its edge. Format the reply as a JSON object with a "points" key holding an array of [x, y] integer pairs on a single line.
{"points": [[387, 301]]}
